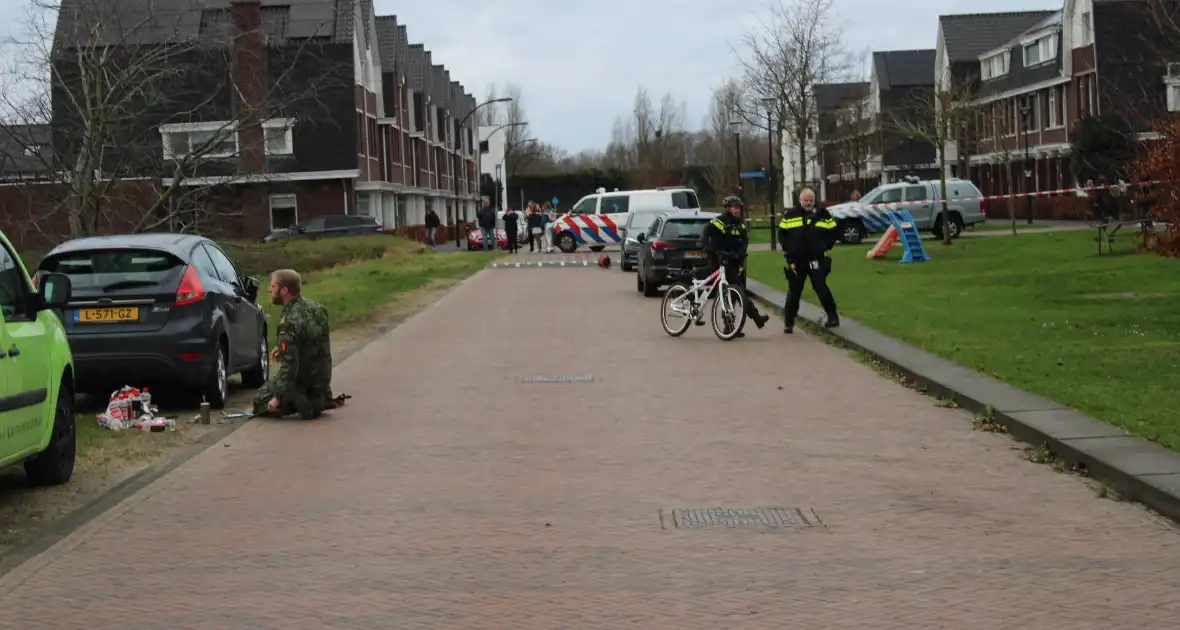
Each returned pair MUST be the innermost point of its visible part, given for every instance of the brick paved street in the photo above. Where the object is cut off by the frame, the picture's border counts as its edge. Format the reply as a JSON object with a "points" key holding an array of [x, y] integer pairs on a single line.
{"points": [[449, 494]]}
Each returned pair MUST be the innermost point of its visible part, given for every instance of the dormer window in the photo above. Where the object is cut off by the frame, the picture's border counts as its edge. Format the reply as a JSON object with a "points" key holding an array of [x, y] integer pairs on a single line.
{"points": [[995, 65], [1040, 50]]}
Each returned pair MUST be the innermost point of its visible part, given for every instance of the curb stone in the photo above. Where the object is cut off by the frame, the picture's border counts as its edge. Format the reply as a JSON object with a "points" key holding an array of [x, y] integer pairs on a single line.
{"points": [[1138, 469], [26, 550]]}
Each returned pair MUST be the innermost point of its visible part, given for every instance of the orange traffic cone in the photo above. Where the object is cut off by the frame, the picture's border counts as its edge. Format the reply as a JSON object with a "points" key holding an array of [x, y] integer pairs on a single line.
{"points": [[883, 244]]}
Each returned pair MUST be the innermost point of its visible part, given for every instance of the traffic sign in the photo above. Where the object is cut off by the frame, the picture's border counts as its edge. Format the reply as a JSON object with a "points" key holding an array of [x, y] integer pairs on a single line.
{"points": [[554, 201], [753, 174]]}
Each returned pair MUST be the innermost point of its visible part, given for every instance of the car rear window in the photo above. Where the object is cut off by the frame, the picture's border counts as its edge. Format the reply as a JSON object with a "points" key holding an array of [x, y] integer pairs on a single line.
{"points": [[109, 271], [685, 200], [684, 228]]}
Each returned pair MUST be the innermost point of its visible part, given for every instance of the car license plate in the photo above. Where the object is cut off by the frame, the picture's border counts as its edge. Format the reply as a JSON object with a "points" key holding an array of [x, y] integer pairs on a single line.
{"points": [[694, 254], [102, 315]]}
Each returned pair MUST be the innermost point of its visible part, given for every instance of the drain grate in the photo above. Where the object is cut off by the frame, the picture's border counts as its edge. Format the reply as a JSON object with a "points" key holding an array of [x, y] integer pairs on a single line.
{"points": [[765, 518], [559, 378]]}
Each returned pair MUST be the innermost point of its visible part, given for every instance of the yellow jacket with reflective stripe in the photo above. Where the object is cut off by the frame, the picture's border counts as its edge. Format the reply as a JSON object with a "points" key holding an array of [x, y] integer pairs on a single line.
{"points": [[806, 235]]}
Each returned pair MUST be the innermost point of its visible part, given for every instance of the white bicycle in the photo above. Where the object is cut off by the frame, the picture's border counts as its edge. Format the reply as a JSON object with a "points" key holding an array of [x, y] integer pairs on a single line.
{"points": [[684, 305]]}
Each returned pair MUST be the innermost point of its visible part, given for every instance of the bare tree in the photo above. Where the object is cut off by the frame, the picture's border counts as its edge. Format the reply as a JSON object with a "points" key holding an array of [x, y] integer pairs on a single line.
{"points": [[992, 124], [650, 143], [720, 149], [107, 75], [936, 117], [858, 136], [798, 47]]}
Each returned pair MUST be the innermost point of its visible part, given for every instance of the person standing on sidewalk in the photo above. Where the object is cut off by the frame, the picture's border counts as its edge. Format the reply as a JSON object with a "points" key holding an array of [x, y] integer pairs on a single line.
{"points": [[533, 223], [806, 233], [487, 225], [512, 229], [432, 223]]}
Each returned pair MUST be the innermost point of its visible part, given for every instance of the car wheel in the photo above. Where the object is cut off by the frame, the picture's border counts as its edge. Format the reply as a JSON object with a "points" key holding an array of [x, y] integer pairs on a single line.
{"points": [[852, 232], [55, 465], [626, 267], [217, 390], [257, 376], [566, 243], [650, 289], [597, 248], [956, 226]]}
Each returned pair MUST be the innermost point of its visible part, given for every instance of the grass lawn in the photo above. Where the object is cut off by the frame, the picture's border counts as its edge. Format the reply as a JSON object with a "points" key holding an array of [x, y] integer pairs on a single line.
{"points": [[354, 293], [1042, 312]]}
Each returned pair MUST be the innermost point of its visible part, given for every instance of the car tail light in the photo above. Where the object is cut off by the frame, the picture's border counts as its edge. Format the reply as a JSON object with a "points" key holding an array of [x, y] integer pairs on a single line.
{"points": [[190, 290], [191, 356], [660, 246]]}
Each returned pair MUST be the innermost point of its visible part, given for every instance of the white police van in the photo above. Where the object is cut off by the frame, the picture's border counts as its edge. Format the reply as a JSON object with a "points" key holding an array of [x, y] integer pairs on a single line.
{"points": [[870, 214], [596, 220]]}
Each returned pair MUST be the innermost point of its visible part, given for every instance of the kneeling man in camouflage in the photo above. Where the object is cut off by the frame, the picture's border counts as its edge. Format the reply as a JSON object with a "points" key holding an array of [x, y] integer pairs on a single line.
{"points": [[303, 384]]}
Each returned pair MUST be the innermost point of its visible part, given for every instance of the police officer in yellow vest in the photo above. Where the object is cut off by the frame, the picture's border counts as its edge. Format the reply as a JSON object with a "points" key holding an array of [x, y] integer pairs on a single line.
{"points": [[806, 233], [726, 239]]}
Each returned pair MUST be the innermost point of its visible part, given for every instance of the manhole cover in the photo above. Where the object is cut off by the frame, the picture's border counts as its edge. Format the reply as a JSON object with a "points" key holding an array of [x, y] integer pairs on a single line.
{"points": [[740, 518], [559, 378]]}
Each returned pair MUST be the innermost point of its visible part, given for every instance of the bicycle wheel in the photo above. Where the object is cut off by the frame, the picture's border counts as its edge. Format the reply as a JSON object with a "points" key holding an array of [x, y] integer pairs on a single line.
{"points": [[729, 313], [676, 310]]}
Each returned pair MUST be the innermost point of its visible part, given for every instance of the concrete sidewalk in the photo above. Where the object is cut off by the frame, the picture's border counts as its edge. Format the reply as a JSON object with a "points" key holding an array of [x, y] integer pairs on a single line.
{"points": [[451, 493]]}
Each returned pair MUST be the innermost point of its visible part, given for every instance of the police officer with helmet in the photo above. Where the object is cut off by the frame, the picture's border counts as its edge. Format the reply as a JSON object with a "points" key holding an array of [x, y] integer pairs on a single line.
{"points": [[725, 240], [806, 233]]}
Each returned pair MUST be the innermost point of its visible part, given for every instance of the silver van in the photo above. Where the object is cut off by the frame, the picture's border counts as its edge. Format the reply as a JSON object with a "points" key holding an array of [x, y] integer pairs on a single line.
{"points": [[921, 198]]}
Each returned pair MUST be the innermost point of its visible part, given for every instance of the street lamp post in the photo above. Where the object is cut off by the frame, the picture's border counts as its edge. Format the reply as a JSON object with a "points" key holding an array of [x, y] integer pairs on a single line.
{"points": [[462, 125], [736, 126], [1025, 113], [770, 187]]}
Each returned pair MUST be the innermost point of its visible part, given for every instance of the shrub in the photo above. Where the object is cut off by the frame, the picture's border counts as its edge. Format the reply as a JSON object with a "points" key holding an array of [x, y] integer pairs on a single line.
{"points": [[1161, 162]]}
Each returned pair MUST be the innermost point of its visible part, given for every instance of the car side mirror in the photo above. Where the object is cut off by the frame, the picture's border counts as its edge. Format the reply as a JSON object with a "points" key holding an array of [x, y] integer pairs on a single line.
{"points": [[251, 288], [54, 290], [641, 238]]}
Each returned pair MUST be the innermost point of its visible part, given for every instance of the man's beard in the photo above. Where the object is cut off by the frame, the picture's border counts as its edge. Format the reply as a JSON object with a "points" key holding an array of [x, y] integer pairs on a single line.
{"points": [[277, 300]]}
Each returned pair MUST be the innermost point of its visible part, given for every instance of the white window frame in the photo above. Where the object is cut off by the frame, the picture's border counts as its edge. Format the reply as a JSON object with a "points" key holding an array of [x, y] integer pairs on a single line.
{"points": [[1034, 113], [364, 200], [286, 124], [994, 66], [1087, 29], [285, 201], [1172, 87], [196, 127], [1046, 47], [1056, 113]]}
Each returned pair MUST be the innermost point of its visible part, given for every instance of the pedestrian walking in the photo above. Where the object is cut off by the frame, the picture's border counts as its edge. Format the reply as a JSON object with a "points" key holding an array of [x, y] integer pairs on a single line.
{"points": [[511, 229], [432, 224], [806, 233]]}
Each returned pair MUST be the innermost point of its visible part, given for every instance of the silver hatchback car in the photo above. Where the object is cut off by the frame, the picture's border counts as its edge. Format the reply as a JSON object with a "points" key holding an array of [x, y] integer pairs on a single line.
{"points": [[638, 221]]}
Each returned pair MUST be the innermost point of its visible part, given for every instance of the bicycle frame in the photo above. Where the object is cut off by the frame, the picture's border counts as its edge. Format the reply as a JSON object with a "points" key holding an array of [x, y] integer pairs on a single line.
{"points": [[700, 291]]}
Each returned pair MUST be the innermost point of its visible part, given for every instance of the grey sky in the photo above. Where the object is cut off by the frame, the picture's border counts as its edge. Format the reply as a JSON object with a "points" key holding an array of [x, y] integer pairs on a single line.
{"points": [[579, 62]]}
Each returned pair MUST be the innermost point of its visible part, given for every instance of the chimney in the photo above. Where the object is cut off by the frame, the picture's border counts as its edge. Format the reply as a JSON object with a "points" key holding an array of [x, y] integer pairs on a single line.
{"points": [[249, 92]]}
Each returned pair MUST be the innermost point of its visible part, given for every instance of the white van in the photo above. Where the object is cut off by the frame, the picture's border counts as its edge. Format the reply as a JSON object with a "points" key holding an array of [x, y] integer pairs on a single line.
{"points": [[596, 219]]}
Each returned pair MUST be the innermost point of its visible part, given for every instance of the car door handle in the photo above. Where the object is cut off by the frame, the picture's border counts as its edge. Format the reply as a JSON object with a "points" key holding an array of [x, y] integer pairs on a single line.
{"points": [[14, 351]]}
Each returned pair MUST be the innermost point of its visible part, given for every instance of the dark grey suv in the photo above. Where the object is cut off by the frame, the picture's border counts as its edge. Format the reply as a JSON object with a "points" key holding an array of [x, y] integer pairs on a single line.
{"points": [[328, 225]]}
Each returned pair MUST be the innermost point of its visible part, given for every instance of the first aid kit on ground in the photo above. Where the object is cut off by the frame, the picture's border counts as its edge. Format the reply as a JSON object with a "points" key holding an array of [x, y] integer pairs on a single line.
{"points": [[131, 408]]}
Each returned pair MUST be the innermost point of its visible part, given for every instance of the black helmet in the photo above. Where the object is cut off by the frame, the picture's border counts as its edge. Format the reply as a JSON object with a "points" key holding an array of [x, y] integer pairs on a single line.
{"points": [[732, 200]]}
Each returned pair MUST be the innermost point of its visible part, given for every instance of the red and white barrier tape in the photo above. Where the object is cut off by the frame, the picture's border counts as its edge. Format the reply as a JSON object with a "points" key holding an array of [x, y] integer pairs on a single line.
{"points": [[1040, 193]]}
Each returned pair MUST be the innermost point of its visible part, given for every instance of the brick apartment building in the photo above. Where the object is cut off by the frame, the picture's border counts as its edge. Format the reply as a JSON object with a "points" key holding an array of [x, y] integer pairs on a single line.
{"points": [[1028, 77], [860, 144], [317, 107]]}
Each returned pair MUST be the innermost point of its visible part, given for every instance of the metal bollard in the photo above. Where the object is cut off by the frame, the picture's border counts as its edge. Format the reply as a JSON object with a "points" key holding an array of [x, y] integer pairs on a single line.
{"points": [[205, 416]]}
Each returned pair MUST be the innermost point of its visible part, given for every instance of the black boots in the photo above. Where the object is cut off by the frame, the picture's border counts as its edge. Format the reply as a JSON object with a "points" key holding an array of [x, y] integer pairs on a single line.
{"points": [[832, 321], [760, 320]]}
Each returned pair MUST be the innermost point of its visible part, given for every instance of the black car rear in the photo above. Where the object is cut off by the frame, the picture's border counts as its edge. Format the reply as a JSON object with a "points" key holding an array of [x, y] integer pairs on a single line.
{"points": [[672, 247], [159, 308]]}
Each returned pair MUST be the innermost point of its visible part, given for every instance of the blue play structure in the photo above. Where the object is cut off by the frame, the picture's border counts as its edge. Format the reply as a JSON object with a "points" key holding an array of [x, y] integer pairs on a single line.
{"points": [[907, 233]]}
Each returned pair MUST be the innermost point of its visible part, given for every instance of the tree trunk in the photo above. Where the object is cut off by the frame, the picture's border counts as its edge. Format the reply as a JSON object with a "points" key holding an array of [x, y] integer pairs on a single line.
{"points": [[1011, 199]]}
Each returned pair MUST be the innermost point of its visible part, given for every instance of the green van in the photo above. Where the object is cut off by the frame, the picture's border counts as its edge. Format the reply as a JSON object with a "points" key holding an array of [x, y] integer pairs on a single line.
{"points": [[36, 373]]}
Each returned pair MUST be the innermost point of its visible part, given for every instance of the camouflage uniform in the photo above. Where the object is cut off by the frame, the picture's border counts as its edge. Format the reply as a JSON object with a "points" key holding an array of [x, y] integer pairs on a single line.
{"points": [[303, 384]]}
